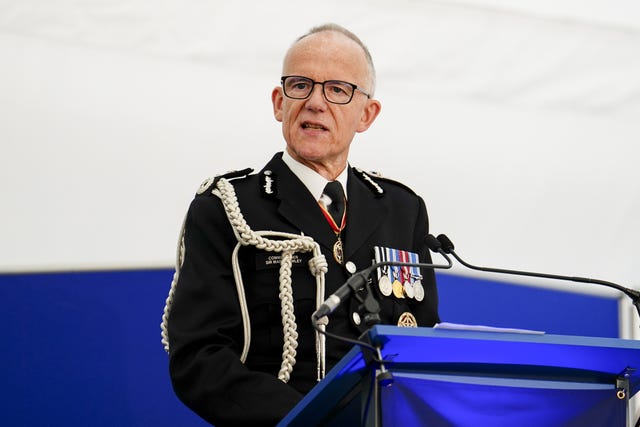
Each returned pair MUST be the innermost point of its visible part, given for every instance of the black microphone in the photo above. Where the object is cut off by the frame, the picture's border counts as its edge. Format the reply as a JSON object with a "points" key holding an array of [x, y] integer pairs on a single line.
{"points": [[435, 245], [446, 245], [360, 279]]}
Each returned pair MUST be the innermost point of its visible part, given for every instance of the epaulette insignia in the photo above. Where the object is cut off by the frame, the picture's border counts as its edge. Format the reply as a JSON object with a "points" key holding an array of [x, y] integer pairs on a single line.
{"points": [[378, 176], [210, 182], [374, 186], [268, 183]]}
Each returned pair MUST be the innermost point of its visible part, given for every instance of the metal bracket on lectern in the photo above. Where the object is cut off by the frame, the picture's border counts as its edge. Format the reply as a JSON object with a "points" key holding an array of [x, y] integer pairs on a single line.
{"points": [[622, 383], [384, 377]]}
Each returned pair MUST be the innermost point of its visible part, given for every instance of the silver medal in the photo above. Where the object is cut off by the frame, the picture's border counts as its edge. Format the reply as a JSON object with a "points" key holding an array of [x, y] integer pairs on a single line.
{"points": [[409, 290], [385, 285], [418, 290]]}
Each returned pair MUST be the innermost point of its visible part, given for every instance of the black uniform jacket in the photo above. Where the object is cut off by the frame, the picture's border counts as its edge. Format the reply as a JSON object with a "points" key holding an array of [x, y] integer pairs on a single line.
{"points": [[205, 325]]}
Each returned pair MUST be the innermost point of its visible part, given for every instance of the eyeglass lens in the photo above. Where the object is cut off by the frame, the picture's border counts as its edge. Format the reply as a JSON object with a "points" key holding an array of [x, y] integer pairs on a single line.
{"points": [[335, 91]]}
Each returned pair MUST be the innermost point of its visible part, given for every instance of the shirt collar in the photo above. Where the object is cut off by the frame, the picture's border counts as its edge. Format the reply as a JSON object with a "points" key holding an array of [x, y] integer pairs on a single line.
{"points": [[311, 179]]}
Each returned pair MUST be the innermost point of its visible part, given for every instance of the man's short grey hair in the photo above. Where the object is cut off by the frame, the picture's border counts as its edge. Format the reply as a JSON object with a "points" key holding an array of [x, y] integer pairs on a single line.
{"points": [[340, 29]]}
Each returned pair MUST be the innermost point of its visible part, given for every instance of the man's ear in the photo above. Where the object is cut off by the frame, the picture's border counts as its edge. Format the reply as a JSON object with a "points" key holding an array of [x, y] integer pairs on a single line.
{"points": [[276, 100], [371, 111]]}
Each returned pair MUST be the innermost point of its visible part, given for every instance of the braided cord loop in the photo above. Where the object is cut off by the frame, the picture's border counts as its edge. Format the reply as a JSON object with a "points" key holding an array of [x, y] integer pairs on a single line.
{"points": [[287, 244]]}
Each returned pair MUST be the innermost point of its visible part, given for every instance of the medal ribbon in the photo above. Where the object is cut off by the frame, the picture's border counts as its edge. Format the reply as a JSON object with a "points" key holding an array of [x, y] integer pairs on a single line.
{"points": [[393, 256], [415, 271], [338, 250], [386, 269], [378, 258], [332, 222], [389, 269], [404, 257]]}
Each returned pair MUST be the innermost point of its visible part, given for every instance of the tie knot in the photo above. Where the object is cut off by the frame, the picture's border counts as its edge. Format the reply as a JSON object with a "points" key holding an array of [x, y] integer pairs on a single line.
{"points": [[334, 191]]}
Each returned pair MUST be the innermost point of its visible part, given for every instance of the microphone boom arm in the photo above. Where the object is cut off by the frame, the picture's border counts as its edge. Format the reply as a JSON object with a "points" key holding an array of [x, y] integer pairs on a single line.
{"points": [[634, 295]]}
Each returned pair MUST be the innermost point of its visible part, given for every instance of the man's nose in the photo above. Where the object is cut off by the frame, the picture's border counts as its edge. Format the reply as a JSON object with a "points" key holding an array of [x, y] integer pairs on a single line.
{"points": [[317, 93]]}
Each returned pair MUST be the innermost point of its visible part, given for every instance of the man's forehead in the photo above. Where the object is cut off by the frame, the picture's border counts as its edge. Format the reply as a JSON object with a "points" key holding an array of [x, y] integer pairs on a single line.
{"points": [[325, 41], [336, 48]]}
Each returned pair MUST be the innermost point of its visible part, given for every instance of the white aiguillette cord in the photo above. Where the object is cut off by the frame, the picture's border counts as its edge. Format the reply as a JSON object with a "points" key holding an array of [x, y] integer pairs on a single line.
{"points": [[291, 244]]}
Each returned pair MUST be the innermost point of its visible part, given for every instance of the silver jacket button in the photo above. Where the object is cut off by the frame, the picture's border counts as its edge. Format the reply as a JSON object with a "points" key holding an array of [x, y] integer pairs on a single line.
{"points": [[351, 267], [356, 318]]}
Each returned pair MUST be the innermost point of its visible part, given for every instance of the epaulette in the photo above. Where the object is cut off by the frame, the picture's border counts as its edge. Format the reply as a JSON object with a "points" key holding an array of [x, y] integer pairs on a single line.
{"points": [[209, 183], [370, 179], [369, 182]]}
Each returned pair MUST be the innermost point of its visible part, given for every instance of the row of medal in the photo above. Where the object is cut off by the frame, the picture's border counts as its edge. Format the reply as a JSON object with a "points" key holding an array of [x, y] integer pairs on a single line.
{"points": [[399, 281]]}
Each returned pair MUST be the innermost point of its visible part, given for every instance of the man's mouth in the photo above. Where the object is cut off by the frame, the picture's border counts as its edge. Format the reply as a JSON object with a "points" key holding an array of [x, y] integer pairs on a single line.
{"points": [[316, 126]]}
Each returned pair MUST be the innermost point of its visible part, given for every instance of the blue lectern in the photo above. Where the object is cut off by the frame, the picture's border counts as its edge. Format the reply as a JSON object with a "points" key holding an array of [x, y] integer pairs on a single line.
{"points": [[438, 377]]}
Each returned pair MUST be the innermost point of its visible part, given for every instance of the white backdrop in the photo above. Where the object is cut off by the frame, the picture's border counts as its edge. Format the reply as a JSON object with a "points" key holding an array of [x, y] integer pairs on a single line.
{"points": [[518, 124]]}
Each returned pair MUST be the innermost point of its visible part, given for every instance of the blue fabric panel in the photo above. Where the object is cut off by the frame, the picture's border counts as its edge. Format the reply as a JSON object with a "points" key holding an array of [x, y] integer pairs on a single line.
{"points": [[485, 302], [83, 349], [421, 401]]}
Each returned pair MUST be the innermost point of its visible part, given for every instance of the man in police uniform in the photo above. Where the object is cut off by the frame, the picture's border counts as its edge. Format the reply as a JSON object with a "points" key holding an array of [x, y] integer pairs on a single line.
{"points": [[242, 347]]}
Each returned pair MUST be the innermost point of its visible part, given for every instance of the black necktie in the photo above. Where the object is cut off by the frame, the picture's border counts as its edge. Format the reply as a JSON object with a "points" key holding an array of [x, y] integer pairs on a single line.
{"points": [[334, 191]]}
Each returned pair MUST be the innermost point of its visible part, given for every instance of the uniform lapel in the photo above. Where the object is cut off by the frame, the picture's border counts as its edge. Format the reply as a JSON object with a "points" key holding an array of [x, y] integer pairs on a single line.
{"points": [[365, 213], [298, 206]]}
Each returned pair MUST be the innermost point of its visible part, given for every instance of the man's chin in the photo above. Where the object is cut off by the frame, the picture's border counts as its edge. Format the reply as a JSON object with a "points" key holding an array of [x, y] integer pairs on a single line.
{"points": [[310, 151]]}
